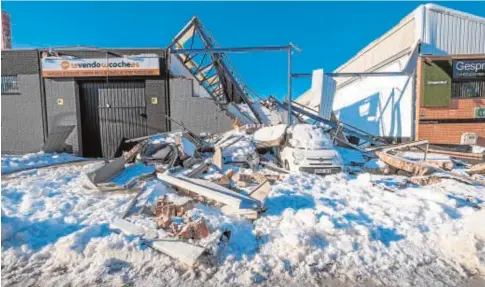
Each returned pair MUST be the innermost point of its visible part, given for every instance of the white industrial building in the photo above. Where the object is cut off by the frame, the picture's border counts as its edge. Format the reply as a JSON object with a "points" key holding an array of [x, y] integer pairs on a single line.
{"points": [[385, 106]]}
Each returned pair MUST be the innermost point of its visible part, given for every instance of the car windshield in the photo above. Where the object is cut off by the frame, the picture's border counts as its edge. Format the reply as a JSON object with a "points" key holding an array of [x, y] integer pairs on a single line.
{"points": [[308, 137]]}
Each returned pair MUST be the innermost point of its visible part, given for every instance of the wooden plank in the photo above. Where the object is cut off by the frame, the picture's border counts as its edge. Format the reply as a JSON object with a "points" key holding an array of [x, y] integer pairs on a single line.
{"points": [[477, 169], [209, 190], [414, 168]]}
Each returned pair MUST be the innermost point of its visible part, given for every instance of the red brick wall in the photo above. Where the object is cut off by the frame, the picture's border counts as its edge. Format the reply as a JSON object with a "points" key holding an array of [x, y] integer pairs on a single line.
{"points": [[458, 109], [451, 133]]}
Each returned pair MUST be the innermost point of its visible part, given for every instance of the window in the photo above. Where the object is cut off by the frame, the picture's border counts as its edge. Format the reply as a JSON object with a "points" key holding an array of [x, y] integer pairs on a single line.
{"points": [[468, 89], [9, 85]]}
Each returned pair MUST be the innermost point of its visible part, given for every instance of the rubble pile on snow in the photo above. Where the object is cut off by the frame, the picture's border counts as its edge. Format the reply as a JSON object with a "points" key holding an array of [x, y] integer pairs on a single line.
{"points": [[219, 211]]}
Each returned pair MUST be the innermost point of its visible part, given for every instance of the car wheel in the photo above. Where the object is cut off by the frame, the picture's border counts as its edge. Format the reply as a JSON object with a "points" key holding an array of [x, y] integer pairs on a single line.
{"points": [[287, 165]]}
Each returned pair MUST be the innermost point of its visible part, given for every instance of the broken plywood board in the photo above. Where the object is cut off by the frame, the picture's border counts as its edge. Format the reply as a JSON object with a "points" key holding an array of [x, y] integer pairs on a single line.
{"points": [[414, 168], [477, 169], [209, 190]]}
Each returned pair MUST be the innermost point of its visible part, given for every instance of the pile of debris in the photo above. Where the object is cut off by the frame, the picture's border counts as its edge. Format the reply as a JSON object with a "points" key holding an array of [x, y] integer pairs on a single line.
{"points": [[223, 171], [234, 172], [425, 166]]}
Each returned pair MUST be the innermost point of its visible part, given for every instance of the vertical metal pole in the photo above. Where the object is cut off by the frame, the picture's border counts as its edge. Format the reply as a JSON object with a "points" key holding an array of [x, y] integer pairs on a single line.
{"points": [[426, 152], [289, 85]]}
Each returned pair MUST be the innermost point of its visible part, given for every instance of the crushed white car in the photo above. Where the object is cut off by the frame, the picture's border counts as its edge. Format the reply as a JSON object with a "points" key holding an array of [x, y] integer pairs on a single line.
{"points": [[309, 149]]}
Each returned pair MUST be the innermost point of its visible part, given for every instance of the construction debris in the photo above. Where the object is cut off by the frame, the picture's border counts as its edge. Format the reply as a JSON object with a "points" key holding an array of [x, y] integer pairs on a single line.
{"points": [[462, 155], [261, 191], [424, 180], [215, 172], [399, 163], [217, 158], [376, 166], [178, 249], [132, 203], [210, 190], [271, 136], [194, 230], [476, 169]]}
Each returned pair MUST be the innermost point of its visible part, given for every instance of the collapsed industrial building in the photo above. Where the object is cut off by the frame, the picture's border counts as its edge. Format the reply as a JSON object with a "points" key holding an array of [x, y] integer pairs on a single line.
{"points": [[183, 116]]}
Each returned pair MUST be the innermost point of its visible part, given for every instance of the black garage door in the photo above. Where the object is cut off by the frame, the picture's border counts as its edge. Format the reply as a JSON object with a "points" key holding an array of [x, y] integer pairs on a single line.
{"points": [[111, 111]]}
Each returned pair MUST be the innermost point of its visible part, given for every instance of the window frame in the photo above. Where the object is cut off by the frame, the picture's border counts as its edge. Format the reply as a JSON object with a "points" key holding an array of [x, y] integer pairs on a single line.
{"points": [[14, 82]]}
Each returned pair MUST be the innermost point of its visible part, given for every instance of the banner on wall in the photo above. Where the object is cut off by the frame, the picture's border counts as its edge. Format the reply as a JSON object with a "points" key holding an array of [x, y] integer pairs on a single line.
{"points": [[77, 67], [469, 69]]}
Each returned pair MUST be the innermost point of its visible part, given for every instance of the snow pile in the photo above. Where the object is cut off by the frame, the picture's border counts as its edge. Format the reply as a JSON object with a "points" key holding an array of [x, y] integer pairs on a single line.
{"points": [[420, 156], [239, 148], [308, 137], [12, 163], [478, 149], [317, 231], [270, 133], [375, 164]]}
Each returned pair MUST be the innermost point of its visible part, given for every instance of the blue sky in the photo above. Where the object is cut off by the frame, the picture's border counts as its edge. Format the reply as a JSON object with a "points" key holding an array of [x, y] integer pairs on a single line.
{"points": [[329, 33]]}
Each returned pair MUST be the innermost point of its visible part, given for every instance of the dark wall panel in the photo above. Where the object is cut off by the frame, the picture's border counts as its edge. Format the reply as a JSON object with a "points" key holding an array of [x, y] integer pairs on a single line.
{"points": [[22, 117], [61, 105], [197, 114]]}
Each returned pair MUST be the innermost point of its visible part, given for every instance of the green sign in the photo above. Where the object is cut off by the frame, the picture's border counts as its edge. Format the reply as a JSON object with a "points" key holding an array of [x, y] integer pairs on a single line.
{"points": [[436, 84], [480, 112]]}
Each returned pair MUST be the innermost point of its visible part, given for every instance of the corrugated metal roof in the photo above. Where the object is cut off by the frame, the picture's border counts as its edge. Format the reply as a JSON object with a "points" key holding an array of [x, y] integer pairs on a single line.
{"points": [[449, 30]]}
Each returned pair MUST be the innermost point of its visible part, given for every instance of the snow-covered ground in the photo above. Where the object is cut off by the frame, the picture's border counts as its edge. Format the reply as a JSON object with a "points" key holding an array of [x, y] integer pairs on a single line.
{"points": [[317, 231], [12, 163]]}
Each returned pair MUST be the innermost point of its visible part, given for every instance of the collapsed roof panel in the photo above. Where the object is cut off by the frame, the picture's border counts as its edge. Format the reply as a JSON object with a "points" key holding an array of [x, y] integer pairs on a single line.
{"points": [[214, 71]]}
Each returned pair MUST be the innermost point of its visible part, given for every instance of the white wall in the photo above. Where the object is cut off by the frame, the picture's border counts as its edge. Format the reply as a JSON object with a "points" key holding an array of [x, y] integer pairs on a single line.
{"points": [[379, 105], [384, 105]]}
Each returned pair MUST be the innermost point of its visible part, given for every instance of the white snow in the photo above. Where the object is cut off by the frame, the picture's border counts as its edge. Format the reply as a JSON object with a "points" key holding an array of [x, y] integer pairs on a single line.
{"points": [[270, 133], [420, 156], [11, 163], [317, 231], [188, 147], [375, 164], [478, 149], [309, 137], [241, 150]]}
